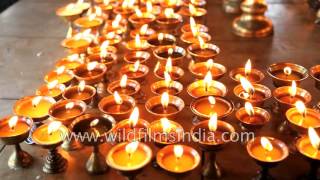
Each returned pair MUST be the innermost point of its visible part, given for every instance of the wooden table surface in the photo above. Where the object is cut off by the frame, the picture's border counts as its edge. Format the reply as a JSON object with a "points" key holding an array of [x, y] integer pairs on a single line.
{"points": [[30, 35]]}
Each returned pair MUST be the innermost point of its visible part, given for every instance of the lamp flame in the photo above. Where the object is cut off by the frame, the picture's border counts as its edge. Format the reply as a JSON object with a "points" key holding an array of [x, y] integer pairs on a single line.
{"points": [[209, 64], [193, 10], [178, 151], [137, 40], [212, 100], [156, 67], [170, 51], [110, 35], [136, 66], [165, 100], [247, 67], [194, 29], [167, 79], [106, 2], [94, 122], [70, 105], [134, 117], [54, 126], [81, 86], [287, 71], [160, 37], [123, 81], [301, 108], [138, 12], [52, 84], [314, 138], [91, 17], [60, 70], [103, 49], [117, 98], [266, 144], [36, 100], [207, 79], [169, 13], [202, 44], [293, 89], [92, 65], [168, 67], [69, 33], [166, 125], [149, 6], [144, 29], [247, 86], [73, 57], [13, 122], [132, 147], [115, 23], [249, 108], [213, 122]]}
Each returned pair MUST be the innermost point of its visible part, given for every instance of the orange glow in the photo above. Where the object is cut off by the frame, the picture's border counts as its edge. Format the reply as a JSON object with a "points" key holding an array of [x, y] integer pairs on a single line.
{"points": [[127, 4], [117, 98], [247, 67], [134, 117], [249, 108], [178, 151], [194, 29], [266, 144], [81, 86], [209, 64], [213, 122], [144, 29], [106, 2], [166, 125], [136, 66], [36, 100], [91, 17], [193, 23], [54, 126], [94, 122], [123, 81], [73, 57], [103, 49], [301, 108], [170, 51], [207, 80], [13, 122], [293, 89], [165, 100], [287, 71], [314, 138], [98, 11]]}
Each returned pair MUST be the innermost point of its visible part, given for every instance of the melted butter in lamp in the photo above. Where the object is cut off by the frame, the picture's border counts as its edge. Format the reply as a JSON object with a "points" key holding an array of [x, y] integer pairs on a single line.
{"points": [[208, 105], [118, 105], [60, 75], [66, 113], [51, 133], [41, 108], [13, 127], [288, 74], [178, 160], [309, 145], [307, 121], [266, 152], [122, 158]]}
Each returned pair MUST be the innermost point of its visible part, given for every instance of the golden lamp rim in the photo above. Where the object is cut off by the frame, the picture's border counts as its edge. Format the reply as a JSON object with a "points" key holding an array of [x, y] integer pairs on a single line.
{"points": [[257, 110], [219, 85], [307, 97], [210, 46], [254, 71], [142, 68], [62, 103], [156, 122], [4, 121], [144, 54], [299, 144], [156, 100], [173, 84], [221, 67], [295, 67], [309, 111], [63, 130], [205, 36], [257, 87], [130, 82], [92, 90], [110, 98], [175, 69], [313, 70]]}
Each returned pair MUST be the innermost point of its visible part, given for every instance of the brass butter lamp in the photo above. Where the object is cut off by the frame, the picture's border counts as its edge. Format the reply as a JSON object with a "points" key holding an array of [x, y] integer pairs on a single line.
{"points": [[252, 23]]}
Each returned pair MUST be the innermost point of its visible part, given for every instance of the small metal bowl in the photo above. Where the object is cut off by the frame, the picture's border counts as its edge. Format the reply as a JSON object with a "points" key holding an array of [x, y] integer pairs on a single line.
{"points": [[219, 89]]}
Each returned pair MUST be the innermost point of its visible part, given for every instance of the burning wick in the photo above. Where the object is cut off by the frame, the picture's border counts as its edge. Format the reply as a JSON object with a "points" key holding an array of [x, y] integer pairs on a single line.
{"points": [[167, 79], [287, 71], [207, 81], [81, 86], [178, 151], [13, 122], [213, 122], [247, 68], [249, 109], [267, 146], [160, 37], [301, 108], [91, 66], [248, 88], [165, 101], [123, 81], [314, 139], [53, 127], [36, 101], [212, 101], [134, 118], [131, 148]]}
